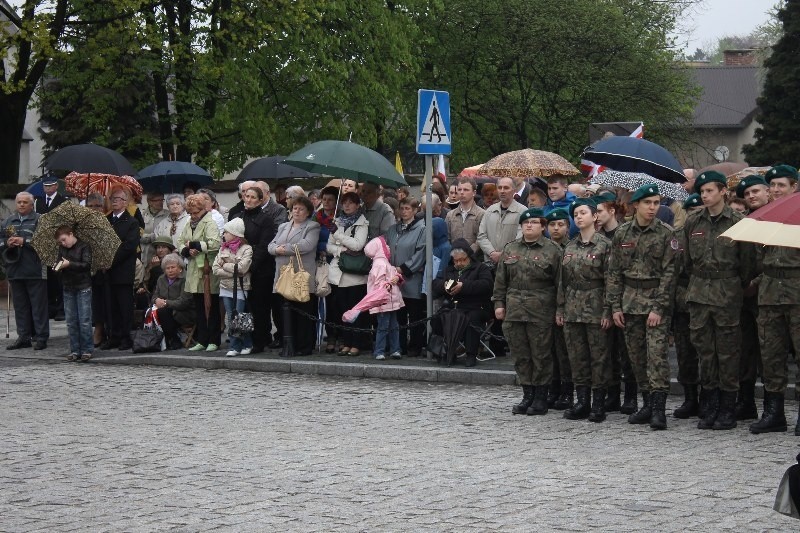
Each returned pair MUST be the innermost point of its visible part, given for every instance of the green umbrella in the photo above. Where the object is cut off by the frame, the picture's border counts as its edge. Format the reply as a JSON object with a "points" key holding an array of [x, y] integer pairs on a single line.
{"points": [[346, 159]]}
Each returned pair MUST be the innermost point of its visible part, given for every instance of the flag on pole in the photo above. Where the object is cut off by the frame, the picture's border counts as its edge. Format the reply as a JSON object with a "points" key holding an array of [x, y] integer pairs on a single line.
{"points": [[398, 164], [638, 132], [592, 169]]}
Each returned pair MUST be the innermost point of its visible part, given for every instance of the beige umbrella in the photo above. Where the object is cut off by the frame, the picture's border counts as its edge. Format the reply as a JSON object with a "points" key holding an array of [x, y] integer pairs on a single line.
{"points": [[775, 224], [734, 179], [528, 163]]}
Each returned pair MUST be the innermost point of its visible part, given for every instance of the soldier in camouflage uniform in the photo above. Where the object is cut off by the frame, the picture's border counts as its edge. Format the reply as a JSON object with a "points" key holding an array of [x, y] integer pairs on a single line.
{"points": [[718, 268], [560, 396], [639, 291], [583, 312], [779, 330], [525, 300]]}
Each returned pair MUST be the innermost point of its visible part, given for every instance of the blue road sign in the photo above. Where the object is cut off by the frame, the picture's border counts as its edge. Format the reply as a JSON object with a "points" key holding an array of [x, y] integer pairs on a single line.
{"points": [[433, 122]]}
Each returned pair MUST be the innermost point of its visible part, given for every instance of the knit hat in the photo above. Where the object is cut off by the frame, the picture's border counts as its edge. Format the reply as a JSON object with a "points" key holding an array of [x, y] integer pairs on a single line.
{"points": [[235, 227]]}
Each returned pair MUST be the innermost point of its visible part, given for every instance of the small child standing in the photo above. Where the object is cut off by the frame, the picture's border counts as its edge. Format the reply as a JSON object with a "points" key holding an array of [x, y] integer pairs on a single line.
{"points": [[234, 251], [383, 277], [75, 264]]}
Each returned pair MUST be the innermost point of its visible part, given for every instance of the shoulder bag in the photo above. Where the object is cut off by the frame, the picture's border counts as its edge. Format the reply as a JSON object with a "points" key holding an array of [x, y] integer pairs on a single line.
{"points": [[323, 284], [293, 285], [354, 262]]}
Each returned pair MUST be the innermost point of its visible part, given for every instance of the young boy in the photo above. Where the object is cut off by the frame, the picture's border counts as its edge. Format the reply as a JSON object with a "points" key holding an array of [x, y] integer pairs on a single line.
{"points": [[74, 262]]}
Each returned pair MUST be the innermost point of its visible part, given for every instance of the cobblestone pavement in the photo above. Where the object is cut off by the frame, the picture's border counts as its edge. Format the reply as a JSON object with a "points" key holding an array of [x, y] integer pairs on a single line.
{"points": [[116, 448]]}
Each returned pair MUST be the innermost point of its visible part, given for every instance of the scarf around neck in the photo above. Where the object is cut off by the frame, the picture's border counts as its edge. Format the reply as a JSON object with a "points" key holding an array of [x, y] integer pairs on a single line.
{"points": [[345, 221], [232, 245]]}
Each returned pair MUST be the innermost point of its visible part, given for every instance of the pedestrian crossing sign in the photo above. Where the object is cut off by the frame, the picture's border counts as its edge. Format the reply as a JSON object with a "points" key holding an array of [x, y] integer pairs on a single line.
{"points": [[433, 122]]}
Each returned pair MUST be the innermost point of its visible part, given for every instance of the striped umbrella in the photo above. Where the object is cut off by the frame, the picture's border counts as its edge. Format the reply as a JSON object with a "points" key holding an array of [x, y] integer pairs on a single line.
{"points": [[82, 185]]}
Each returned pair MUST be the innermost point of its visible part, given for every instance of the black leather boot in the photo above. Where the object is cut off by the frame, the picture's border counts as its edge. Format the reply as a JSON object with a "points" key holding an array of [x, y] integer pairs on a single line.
{"points": [[726, 419], [555, 392], [612, 398], [702, 403], [629, 404], [773, 419], [527, 400], [565, 400], [643, 415], [658, 406], [582, 406], [598, 413], [746, 402], [539, 405], [690, 405], [711, 410]]}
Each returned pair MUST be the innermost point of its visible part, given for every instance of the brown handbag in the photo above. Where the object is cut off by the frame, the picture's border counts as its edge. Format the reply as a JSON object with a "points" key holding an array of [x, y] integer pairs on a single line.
{"points": [[293, 285]]}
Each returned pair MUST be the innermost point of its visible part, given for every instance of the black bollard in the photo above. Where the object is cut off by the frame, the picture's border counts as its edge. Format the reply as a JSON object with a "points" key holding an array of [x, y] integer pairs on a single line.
{"points": [[288, 339]]}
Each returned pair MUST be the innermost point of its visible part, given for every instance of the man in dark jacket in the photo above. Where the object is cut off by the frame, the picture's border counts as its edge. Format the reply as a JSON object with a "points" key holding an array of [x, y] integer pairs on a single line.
{"points": [[467, 286], [26, 274], [120, 276]]}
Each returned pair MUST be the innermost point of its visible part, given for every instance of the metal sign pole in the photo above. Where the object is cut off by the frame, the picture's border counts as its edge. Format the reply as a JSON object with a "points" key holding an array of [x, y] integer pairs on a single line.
{"points": [[429, 239]]}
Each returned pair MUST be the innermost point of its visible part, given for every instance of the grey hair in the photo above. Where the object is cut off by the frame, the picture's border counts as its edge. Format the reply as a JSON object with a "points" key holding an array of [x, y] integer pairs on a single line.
{"points": [[294, 191], [455, 251], [172, 259], [24, 194], [179, 197]]}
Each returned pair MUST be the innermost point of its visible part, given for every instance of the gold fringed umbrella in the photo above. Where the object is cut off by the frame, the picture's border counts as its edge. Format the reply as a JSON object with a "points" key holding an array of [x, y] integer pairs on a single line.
{"points": [[528, 163]]}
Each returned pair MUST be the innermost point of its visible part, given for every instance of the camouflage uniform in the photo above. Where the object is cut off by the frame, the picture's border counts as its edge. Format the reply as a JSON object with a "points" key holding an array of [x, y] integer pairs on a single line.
{"points": [[562, 370], [688, 362], [778, 312], [640, 281], [717, 269], [582, 303], [525, 285]]}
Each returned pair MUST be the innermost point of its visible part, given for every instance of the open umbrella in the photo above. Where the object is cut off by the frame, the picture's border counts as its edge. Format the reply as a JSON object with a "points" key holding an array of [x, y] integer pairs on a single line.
{"points": [[454, 324], [634, 180], [82, 185], [470, 172], [528, 163], [630, 154], [89, 158], [775, 224], [734, 179], [346, 159], [271, 168], [88, 225], [170, 176]]}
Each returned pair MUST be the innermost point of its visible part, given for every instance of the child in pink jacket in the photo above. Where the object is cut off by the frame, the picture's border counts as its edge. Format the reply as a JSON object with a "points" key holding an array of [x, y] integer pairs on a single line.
{"points": [[384, 277]]}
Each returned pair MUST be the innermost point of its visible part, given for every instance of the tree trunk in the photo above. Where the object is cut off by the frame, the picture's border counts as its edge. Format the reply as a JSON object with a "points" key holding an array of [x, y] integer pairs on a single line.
{"points": [[13, 108]]}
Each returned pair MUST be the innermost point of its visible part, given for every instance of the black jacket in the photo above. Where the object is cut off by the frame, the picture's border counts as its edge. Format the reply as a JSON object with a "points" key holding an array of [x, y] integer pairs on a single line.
{"points": [[123, 269], [259, 230], [475, 294], [77, 276], [41, 203]]}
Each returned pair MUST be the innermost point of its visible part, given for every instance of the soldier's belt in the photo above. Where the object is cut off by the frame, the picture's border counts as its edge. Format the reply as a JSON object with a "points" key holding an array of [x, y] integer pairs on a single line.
{"points": [[642, 283], [589, 284], [782, 273], [539, 284], [716, 274]]}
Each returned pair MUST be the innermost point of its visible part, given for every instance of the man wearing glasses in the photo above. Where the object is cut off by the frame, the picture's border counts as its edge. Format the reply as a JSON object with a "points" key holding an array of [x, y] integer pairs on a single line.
{"points": [[122, 271]]}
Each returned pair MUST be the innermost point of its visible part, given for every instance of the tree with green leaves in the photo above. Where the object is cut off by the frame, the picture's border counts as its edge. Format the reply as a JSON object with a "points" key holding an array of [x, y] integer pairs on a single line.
{"points": [[778, 137]]}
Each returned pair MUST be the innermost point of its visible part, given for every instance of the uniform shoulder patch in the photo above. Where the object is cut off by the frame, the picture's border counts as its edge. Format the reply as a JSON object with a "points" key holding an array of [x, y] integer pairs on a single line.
{"points": [[674, 244]]}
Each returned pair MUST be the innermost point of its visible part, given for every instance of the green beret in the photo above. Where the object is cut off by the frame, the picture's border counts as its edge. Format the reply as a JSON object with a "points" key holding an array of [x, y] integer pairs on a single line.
{"points": [[163, 241], [693, 201], [781, 171], [604, 197], [747, 182], [709, 176], [557, 214], [533, 212], [582, 201], [645, 191]]}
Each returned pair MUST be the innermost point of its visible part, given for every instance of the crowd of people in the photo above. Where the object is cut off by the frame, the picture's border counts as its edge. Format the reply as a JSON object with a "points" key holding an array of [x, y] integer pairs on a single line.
{"points": [[584, 286]]}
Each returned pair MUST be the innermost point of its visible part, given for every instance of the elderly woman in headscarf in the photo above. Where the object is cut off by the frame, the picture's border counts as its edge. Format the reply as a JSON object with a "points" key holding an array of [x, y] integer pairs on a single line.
{"points": [[348, 287], [199, 244]]}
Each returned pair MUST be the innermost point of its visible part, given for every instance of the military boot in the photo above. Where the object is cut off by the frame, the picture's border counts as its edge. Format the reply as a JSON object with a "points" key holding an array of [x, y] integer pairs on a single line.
{"points": [[612, 398], [555, 392], [643, 415], [746, 402], [689, 406], [629, 404], [598, 413], [702, 406], [539, 405], [565, 398], [773, 418], [658, 406], [726, 419], [527, 400], [711, 410], [582, 406]]}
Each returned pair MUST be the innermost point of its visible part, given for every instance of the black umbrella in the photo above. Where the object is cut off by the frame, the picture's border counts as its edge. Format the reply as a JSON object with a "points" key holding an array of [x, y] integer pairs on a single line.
{"points": [[630, 154], [270, 168], [170, 176], [90, 159], [454, 324]]}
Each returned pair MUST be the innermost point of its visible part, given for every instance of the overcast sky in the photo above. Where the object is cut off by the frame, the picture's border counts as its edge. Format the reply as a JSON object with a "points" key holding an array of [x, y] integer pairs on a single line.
{"points": [[716, 18]]}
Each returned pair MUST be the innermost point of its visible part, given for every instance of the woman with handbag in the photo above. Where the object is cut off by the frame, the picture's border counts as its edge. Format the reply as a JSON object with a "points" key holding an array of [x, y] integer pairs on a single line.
{"points": [[298, 238], [200, 243], [232, 267], [348, 272]]}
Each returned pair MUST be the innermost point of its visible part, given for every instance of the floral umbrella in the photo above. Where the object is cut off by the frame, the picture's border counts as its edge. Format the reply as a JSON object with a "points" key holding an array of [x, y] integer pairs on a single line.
{"points": [[528, 163], [82, 185], [89, 226], [634, 180]]}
